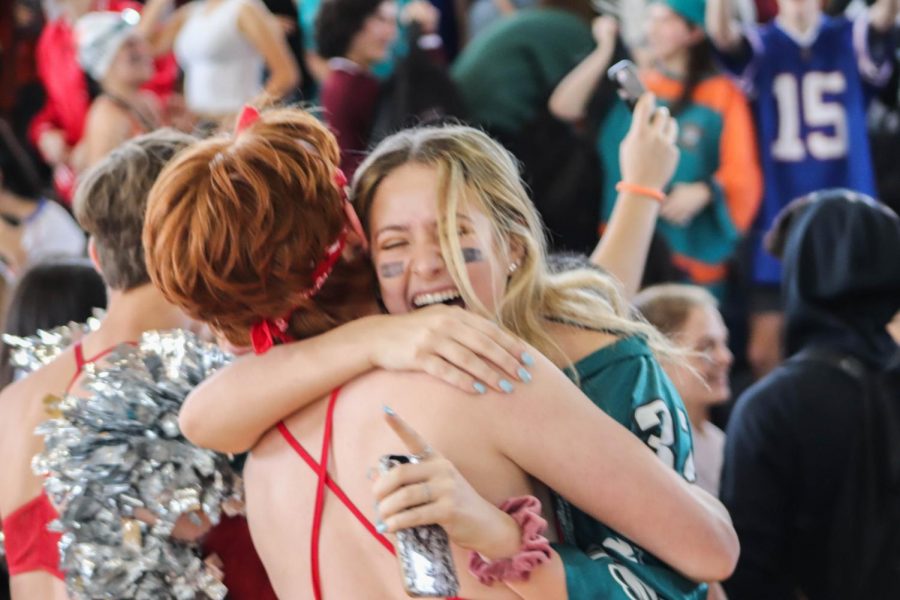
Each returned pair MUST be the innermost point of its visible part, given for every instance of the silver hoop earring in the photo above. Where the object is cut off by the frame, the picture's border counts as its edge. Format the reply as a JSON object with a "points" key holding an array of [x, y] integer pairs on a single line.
{"points": [[512, 268]]}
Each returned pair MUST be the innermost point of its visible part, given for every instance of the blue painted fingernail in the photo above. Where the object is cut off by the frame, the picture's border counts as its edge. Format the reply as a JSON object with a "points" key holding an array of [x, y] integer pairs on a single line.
{"points": [[524, 375], [381, 527], [479, 387], [527, 359], [388, 410], [506, 386]]}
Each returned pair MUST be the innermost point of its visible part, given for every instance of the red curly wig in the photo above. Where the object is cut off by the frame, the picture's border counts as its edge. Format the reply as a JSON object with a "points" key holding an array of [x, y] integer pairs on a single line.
{"points": [[236, 225]]}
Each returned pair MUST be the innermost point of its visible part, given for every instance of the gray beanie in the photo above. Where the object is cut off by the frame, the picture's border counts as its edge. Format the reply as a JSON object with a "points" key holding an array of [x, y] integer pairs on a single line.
{"points": [[99, 36]]}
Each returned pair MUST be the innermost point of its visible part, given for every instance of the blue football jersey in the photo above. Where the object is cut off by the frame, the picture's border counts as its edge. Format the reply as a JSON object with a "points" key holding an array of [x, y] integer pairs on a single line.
{"points": [[810, 107]]}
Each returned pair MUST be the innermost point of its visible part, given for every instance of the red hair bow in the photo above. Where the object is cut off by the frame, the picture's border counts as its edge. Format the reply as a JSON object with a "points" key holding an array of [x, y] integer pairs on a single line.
{"points": [[249, 115], [264, 334]]}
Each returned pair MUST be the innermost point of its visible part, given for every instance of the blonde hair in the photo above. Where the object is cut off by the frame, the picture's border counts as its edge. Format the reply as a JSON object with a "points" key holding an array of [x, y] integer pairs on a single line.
{"points": [[668, 306], [475, 170]]}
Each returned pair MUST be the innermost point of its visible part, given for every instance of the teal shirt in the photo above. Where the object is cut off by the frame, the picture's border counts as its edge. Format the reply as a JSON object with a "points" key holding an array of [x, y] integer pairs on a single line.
{"points": [[509, 71], [711, 236], [625, 381]]}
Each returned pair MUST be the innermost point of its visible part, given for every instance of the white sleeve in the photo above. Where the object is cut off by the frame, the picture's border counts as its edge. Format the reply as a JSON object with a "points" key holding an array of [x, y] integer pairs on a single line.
{"points": [[52, 232], [870, 70]]}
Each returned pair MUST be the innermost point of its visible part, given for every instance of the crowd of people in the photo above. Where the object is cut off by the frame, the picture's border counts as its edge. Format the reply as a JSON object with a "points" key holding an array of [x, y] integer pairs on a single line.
{"points": [[632, 347]]}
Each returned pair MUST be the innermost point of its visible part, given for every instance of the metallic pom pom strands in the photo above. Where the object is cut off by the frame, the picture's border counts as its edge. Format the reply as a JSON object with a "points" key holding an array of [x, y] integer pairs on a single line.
{"points": [[117, 453], [30, 353]]}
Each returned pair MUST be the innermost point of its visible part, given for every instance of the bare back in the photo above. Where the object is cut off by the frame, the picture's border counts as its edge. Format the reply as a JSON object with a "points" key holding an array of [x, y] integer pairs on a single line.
{"points": [[21, 411], [281, 488]]}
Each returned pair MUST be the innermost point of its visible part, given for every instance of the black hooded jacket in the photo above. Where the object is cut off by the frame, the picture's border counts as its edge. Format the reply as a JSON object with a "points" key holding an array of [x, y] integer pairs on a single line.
{"points": [[790, 435]]}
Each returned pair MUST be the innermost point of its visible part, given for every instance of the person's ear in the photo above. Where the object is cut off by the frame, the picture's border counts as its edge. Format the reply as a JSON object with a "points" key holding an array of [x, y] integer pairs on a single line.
{"points": [[94, 256], [517, 254]]}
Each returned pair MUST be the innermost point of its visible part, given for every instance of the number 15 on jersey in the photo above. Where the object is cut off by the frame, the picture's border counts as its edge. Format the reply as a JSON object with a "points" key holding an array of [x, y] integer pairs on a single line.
{"points": [[811, 123]]}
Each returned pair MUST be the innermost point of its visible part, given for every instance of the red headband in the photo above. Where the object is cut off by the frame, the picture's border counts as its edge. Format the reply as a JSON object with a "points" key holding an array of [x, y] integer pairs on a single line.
{"points": [[266, 332]]}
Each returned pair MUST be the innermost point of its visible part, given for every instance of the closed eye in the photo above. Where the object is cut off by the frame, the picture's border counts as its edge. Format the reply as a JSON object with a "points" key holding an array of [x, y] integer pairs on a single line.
{"points": [[390, 245]]}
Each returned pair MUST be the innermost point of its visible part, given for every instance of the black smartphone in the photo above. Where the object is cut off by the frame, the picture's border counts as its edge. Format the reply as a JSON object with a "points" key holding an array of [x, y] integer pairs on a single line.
{"points": [[625, 75], [426, 562]]}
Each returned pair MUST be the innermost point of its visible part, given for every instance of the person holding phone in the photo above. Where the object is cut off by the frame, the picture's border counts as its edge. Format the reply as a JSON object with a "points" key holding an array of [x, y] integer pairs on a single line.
{"points": [[716, 189]]}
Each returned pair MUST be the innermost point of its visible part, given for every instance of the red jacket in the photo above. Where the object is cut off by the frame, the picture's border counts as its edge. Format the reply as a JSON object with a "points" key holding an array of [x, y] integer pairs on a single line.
{"points": [[64, 82]]}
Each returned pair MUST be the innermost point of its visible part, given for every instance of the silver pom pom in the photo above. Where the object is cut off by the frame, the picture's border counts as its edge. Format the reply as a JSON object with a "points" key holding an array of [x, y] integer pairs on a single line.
{"points": [[117, 455], [30, 353]]}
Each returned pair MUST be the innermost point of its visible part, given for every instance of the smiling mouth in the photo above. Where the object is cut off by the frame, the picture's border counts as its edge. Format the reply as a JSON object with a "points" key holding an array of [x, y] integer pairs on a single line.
{"points": [[448, 297]]}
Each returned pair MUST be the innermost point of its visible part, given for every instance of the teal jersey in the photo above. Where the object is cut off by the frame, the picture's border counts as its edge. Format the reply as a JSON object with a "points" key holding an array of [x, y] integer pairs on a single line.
{"points": [[717, 148], [625, 381], [711, 236]]}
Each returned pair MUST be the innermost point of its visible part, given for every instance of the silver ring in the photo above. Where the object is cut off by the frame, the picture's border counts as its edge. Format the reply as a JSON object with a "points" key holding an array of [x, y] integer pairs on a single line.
{"points": [[425, 454], [427, 493]]}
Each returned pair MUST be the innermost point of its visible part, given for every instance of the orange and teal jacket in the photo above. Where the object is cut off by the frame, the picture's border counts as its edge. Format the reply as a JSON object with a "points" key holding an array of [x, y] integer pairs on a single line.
{"points": [[718, 147]]}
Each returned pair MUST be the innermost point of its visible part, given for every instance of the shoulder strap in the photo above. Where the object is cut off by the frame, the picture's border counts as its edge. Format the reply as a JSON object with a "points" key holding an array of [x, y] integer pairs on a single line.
{"points": [[79, 357]]}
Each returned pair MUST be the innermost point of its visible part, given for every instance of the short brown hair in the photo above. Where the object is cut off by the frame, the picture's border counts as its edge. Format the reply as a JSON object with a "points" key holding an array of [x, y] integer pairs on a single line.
{"points": [[668, 305], [111, 200], [236, 225]]}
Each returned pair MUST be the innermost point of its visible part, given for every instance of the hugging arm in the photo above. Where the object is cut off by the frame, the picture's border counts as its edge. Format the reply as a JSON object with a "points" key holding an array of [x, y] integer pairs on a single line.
{"points": [[603, 469], [450, 344]]}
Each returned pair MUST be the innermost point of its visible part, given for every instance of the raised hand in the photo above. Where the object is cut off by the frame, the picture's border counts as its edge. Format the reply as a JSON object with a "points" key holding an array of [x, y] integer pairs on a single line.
{"points": [[648, 154]]}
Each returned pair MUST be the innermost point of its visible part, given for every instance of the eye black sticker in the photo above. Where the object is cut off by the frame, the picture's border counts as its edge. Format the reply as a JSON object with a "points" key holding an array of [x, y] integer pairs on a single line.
{"points": [[390, 270], [471, 255]]}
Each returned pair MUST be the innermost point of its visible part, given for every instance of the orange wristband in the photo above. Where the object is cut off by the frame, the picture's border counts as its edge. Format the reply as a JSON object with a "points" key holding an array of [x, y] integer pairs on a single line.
{"points": [[633, 188]]}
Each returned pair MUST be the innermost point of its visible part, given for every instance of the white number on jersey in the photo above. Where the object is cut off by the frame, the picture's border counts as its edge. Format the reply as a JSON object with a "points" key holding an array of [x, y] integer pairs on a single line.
{"points": [[816, 111], [653, 415]]}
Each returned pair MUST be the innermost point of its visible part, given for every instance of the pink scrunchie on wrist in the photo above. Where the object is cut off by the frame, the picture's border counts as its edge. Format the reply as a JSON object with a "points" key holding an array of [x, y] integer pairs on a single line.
{"points": [[535, 550]]}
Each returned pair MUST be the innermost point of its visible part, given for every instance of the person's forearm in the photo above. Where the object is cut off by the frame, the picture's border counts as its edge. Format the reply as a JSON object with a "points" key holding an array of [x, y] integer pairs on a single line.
{"points": [[570, 98], [546, 582], [721, 26], [152, 16], [623, 249], [317, 65], [635, 494], [283, 80], [231, 410], [883, 15]]}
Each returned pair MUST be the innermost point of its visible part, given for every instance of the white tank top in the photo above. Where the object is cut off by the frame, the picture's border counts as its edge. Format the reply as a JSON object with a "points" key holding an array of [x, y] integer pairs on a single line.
{"points": [[222, 70]]}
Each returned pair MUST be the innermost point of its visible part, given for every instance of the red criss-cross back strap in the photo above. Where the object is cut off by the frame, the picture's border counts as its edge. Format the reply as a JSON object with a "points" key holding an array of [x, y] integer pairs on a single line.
{"points": [[325, 480]]}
